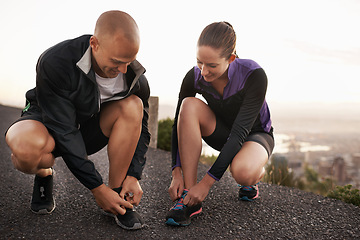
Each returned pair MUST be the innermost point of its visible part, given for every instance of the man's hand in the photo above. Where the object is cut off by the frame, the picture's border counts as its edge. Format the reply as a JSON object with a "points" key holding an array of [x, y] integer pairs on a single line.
{"points": [[177, 184], [109, 200], [131, 189]]}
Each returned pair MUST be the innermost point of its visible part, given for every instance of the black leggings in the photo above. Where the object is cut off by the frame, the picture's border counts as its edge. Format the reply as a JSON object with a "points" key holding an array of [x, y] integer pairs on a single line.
{"points": [[219, 137]]}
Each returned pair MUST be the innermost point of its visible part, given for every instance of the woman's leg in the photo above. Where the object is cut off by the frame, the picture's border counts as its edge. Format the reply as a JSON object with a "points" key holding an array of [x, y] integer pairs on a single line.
{"points": [[247, 167], [195, 120]]}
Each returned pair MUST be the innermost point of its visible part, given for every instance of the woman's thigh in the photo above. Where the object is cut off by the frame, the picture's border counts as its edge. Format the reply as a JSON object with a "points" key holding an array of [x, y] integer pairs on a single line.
{"points": [[250, 160]]}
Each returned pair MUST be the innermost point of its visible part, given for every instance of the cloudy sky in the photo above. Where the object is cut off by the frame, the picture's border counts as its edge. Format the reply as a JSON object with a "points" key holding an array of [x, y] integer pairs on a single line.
{"points": [[310, 49]]}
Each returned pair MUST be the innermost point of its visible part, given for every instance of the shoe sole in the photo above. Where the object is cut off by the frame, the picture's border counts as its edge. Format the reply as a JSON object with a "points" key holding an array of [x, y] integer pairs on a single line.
{"points": [[44, 211], [172, 222], [135, 227], [245, 198]]}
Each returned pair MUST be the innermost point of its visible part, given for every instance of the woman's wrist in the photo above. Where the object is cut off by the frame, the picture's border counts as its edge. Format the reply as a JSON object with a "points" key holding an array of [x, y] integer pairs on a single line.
{"points": [[208, 181], [176, 172]]}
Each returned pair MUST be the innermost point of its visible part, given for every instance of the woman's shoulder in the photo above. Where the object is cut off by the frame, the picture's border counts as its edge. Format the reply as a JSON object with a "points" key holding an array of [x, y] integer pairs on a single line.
{"points": [[246, 63]]}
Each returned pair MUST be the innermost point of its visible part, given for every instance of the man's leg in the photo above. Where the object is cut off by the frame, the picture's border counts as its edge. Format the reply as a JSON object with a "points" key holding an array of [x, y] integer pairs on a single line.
{"points": [[121, 122], [32, 146]]}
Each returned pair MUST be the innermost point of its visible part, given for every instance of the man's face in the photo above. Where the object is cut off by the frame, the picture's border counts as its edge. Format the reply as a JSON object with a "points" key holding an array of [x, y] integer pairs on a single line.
{"points": [[112, 55]]}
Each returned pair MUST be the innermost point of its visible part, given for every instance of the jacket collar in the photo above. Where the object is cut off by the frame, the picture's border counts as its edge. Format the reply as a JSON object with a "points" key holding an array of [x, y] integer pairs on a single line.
{"points": [[85, 64]]}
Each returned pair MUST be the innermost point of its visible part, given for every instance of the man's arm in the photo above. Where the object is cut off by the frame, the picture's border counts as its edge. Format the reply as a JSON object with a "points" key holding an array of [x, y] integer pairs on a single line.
{"points": [[53, 92]]}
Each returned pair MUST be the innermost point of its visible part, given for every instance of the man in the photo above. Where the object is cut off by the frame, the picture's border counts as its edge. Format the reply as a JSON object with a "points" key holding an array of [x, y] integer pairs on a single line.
{"points": [[90, 92]]}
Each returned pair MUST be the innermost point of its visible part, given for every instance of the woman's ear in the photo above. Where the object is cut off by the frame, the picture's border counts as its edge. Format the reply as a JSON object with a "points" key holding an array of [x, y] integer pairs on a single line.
{"points": [[232, 58]]}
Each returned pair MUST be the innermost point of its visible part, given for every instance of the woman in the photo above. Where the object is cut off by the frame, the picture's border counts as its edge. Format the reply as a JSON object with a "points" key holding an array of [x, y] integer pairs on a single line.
{"points": [[235, 121]]}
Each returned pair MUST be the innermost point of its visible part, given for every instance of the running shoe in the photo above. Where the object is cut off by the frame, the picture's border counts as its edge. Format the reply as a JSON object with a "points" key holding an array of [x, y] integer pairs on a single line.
{"points": [[180, 214], [43, 201], [249, 193], [131, 220]]}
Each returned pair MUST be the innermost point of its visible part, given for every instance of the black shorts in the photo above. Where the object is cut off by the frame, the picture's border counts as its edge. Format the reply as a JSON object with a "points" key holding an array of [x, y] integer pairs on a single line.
{"points": [[91, 132], [221, 134]]}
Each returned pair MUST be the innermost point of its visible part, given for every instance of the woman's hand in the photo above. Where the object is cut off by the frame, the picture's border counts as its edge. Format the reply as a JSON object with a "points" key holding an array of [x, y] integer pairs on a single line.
{"points": [[198, 193], [177, 184]]}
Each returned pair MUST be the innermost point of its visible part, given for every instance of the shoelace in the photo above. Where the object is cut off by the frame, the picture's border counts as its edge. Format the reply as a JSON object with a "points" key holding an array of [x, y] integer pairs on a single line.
{"points": [[180, 205], [248, 188]]}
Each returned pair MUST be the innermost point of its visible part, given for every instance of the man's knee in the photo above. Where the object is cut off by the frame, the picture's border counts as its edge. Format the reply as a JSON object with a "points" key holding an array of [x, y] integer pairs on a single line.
{"points": [[126, 112], [133, 106], [131, 110], [28, 141]]}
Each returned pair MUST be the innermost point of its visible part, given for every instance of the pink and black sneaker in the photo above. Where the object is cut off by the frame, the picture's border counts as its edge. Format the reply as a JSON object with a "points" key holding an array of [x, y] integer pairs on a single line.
{"points": [[249, 193], [180, 214]]}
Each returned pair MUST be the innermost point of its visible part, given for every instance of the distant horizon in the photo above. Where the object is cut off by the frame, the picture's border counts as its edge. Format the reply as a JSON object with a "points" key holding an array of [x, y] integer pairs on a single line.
{"points": [[347, 109], [324, 118], [330, 118]]}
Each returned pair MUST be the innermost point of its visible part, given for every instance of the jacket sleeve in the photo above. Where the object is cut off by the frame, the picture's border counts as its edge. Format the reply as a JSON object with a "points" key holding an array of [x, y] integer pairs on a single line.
{"points": [[187, 90], [59, 116], [255, 90], [139, 159]]}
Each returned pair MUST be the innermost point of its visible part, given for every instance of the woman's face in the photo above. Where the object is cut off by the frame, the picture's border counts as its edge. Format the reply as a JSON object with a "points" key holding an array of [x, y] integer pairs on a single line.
{"points": [[211, 64]]}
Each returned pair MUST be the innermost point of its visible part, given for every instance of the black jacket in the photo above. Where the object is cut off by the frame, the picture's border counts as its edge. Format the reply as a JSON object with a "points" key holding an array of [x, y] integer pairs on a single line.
{"points": [[242, 108], [67, 93]]}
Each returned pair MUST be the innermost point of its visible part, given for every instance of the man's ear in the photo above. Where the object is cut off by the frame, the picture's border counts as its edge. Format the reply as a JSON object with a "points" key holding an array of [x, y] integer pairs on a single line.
{"points": [[94, 43]]}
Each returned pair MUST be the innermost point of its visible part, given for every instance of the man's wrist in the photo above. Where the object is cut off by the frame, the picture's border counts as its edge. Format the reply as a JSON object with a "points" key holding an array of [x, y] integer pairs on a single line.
{"points": [[98, 189], [132, 178]]}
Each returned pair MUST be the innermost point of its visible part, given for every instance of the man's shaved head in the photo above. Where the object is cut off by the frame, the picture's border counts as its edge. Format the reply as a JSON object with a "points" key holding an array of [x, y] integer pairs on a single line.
{"points": [[112, 23], [115, 43]]}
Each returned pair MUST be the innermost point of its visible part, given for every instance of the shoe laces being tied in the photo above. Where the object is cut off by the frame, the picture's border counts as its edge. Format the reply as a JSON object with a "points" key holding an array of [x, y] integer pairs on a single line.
{"points": [[180, 203], [248, 188]]}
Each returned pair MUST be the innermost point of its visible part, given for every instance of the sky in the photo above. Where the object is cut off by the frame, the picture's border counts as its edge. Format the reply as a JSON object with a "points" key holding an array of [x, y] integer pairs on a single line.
{"points": [[309, 49]]}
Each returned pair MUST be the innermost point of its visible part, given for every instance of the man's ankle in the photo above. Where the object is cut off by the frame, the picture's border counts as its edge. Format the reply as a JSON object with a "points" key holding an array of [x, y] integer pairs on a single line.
{"points": [[44, 172]]}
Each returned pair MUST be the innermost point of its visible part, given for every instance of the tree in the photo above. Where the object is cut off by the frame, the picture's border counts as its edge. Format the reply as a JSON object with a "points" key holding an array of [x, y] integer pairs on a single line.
{"points": [[164, 134]]}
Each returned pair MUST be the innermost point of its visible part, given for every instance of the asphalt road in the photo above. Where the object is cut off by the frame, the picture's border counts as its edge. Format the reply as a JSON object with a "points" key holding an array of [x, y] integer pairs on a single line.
{"points": [[279, 213]]}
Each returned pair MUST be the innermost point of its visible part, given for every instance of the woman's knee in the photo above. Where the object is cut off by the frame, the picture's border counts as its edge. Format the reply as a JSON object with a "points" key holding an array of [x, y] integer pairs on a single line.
{"points": [[247, 168], [245, 175], [195, 111], [191, 106]]}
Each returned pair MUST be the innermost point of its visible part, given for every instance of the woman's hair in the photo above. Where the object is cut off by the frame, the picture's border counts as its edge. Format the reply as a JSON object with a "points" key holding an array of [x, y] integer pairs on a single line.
{"points": [[219, 35]]}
